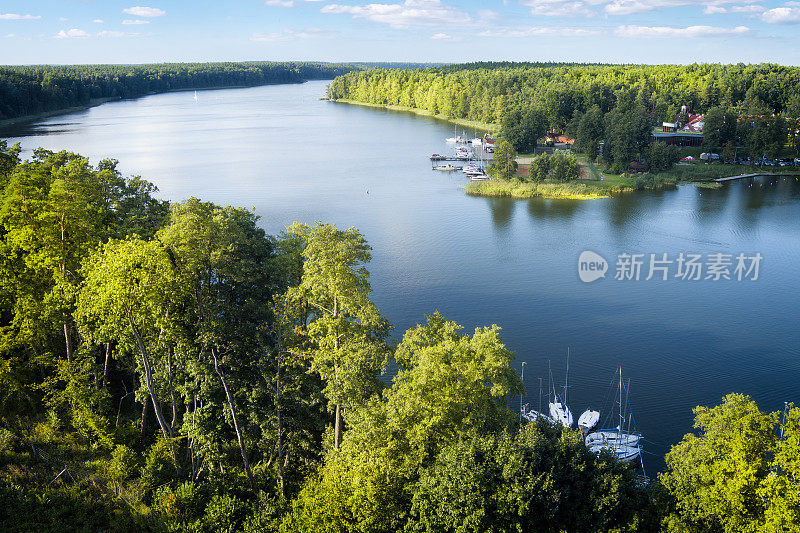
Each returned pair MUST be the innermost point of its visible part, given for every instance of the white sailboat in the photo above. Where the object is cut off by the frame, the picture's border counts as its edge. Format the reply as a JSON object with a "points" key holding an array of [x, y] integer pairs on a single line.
{"points": [[558, 407], [623, 452], [626, 445], [588, 420], [531, 415], [195, 97]]}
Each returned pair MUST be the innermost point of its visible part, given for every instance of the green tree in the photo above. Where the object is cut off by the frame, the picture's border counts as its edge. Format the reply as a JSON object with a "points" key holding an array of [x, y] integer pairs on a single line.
{"points": [[658, 156], [223, 261], [590, 132], [131, 287], [719, 128], [540, 168], [719, 478], [504, 163], [541, 479], [346, 328], [628, 133], [564, 166]]}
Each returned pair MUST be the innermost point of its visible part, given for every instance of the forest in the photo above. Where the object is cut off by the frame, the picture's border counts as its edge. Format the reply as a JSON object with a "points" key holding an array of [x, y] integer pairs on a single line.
{"points": [[29, 90], [755, 107], [171, 367]]}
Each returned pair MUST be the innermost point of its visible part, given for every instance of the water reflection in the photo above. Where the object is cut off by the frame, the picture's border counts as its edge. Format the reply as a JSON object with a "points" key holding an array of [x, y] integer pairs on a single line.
{"points": [[482, 260]]}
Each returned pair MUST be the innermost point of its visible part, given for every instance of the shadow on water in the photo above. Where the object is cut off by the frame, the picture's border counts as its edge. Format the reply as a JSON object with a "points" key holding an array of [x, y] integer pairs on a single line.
{"points": [[502, 211], [546, 209]]}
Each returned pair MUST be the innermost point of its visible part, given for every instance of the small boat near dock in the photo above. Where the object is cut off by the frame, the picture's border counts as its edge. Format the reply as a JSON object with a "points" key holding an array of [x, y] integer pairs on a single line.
{"points": [[445, 168]]}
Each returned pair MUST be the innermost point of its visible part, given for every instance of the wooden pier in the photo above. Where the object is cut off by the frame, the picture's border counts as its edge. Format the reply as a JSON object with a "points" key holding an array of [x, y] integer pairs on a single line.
{"points": [[754, 175]]}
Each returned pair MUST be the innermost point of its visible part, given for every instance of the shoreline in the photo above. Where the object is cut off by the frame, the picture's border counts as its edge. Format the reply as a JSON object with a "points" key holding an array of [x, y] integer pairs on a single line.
{"points": [[94, 102], [36, 117], [518, 190], [421, 112]]}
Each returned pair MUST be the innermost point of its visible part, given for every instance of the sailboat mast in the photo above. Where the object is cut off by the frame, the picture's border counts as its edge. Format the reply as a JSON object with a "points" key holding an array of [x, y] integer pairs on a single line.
{"points": [[539, 412], [566, 378], [621, 417]]}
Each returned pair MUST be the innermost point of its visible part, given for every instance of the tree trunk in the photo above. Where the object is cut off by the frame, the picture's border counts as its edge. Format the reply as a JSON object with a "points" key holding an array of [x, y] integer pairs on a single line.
{"points": [[105, 366], [148, 374], [337, 425], [171, 388], [68, 341], [235, 421], [337, 428], [280, 428], [143, 424]]}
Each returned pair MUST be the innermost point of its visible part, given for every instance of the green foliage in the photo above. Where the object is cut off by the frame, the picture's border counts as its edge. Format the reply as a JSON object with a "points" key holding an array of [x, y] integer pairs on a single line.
{"points": [[658, 156], [26, 90], [541, 479], [346, 331], [449, 385], [522, 130], [628, 132], [488, 92], [590, 131], [504, 163], [561, 166], [719, 129], [736, 475]]}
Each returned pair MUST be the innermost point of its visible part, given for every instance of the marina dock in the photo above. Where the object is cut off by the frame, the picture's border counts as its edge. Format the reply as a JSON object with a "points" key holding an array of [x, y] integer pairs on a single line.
{"points": [[744, 176]]}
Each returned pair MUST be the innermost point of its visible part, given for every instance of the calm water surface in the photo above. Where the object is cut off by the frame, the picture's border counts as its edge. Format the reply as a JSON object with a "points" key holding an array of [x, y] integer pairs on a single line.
{"points": [[481, 261]]}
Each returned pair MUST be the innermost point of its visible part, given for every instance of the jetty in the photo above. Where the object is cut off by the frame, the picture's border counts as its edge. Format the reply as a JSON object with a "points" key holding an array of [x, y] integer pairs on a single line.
{"points": [[754, 175]]}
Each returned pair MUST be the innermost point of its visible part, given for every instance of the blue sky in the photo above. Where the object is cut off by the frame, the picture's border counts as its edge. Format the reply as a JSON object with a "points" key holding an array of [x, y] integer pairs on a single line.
{"points": [[620, 31]]}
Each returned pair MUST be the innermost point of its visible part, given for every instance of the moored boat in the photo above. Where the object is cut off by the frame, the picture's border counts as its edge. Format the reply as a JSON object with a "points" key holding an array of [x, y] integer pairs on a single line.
{"points": [[588, 420], [623, 453]]}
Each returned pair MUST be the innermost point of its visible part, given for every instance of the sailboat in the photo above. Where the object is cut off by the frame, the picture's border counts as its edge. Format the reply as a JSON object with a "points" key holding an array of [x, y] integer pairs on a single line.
{"points": [[195, 96], [624, 444], [558, 407], [530, 415], [588, 420]]}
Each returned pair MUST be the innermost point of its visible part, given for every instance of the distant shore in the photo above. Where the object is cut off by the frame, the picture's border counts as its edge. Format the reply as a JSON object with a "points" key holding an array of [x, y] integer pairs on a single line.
{"points": [[94, 102], [25, 119], [484, 126]]}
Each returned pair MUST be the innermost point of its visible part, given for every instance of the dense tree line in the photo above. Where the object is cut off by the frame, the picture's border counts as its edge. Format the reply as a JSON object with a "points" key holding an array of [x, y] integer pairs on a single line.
{"points": [[171, 367], [759, 104], [487, 92], [27, 90]]}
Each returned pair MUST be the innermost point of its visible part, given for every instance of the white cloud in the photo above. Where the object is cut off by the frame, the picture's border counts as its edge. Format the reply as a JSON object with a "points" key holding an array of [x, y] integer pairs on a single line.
{"points": [[409, 13], [782, 15], [62, 19], [14, 16], [753, 8], [110, 34], [98, 21], [559, 8], [279, 3], [488, 14], [142, 11], [74, 33], [630, 7], [291, 35], [537, 30], [442, 37], [672, 32], [135, 22]]}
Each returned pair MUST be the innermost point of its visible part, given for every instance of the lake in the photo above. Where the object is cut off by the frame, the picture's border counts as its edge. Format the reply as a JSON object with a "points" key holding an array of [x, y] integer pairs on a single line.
{"points": [[292, 157]]}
